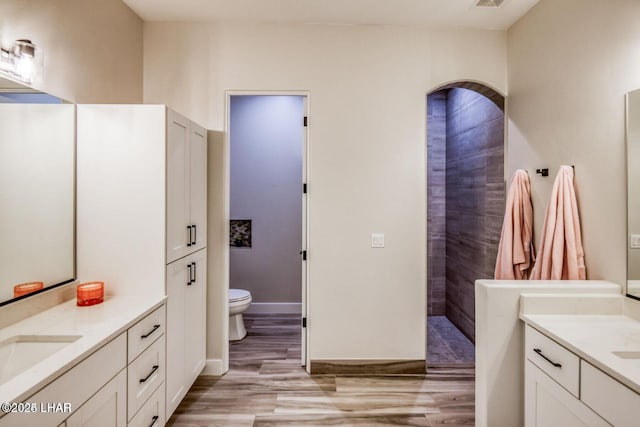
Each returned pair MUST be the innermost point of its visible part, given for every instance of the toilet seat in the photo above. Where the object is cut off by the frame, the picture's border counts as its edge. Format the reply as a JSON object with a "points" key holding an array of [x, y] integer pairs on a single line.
{"points": [[237, 295]]}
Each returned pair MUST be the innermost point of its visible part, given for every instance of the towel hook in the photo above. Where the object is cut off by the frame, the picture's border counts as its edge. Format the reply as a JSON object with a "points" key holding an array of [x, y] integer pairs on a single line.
{"points": [[543, 172]]}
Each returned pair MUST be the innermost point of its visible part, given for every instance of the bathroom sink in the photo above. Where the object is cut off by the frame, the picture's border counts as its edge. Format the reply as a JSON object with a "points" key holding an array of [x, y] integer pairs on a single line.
{"points": [[627, 354], [20, 352]]}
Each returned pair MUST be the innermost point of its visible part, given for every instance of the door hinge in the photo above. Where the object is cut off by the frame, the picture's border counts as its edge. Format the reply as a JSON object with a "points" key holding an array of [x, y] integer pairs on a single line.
{"points": [[305, 121], [304, 188], [304, 322], [304, 255]]}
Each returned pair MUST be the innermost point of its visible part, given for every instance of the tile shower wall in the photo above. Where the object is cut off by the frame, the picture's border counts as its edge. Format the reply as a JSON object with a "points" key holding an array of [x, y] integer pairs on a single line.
{"points": [[474, 199], [436, 202]]}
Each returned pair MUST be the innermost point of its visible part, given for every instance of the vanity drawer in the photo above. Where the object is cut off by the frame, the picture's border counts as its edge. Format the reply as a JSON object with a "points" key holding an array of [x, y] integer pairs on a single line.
{"points": [[144, 375], [555, 360], [152, 412], [146, 331], [615, 402]]}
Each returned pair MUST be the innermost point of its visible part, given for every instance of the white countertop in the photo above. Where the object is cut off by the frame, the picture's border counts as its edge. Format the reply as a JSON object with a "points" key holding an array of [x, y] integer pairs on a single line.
{"points": [[594, 338], [97, 324]]}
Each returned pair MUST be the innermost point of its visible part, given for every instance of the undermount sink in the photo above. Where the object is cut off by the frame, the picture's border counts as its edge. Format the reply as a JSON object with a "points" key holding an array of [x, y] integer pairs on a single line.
{"points": [[20, 352], [627, 354]]}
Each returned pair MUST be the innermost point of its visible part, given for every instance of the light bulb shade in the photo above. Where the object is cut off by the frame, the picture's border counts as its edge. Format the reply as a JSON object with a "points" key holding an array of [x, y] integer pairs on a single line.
{"points": [[24, 47], [24, 68], [22, 61]]}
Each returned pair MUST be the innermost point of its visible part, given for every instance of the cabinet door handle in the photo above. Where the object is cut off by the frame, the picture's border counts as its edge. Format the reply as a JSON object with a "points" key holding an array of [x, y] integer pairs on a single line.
{"points": [[155, 327], [189, 240], [154, 421], [189, 273], [556, 364], [194, 272], [195, 234], [155, 368]]}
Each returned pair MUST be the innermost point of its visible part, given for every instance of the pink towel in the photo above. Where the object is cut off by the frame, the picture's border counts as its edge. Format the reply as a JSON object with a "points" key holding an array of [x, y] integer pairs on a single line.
{"points": [[560, 251], [515, 252]]}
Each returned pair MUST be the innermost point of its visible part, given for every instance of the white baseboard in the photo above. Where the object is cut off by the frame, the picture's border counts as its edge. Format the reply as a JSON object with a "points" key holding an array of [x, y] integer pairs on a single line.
{"points": [[213, 367], [275, 308]]}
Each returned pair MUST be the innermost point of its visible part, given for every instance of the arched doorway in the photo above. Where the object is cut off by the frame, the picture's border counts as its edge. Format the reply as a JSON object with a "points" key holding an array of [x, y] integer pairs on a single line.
{"points": [[465, 206]]}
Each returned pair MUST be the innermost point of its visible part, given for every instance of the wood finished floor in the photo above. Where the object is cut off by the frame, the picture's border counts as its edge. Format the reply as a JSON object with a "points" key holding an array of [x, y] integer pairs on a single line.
{"points": [[266, 386]]}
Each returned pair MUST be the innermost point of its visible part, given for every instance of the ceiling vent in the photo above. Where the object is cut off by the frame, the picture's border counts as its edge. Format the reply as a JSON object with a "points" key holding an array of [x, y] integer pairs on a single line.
{"points": [[489, 3]]}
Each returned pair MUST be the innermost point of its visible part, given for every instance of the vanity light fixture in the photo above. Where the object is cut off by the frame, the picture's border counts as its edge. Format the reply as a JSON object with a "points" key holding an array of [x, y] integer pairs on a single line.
{"points": [[19, 60], [6, 61]]}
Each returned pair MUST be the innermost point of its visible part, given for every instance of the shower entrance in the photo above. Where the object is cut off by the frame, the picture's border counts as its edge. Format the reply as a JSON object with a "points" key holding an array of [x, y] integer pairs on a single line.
{"points": [[465, 206]]}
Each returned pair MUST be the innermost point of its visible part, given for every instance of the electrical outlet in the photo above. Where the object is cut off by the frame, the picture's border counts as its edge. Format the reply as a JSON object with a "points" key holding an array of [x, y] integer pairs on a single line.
{"points": [[377, 240]]}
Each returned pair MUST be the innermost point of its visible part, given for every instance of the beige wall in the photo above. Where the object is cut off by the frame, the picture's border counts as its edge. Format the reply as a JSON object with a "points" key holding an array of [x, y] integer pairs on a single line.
{"points": [[217, 252], [92, 49], [368, 87], [570, 64]]}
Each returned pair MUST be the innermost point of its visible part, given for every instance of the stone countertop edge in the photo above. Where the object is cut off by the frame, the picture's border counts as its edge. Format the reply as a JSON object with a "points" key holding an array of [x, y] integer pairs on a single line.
{"points": [[594, 338], [97, 325]]}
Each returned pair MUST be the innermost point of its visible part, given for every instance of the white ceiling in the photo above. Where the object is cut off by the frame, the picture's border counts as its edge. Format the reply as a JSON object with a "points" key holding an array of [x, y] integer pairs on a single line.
{"points": [[458, 13]]}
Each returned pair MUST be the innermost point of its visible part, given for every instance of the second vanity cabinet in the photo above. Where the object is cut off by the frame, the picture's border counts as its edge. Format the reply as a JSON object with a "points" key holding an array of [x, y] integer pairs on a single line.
{"points": [[562, 389]]}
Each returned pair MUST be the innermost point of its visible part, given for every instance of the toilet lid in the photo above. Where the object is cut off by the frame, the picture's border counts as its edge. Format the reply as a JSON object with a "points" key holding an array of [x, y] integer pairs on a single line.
{"points": [[238, 294]]}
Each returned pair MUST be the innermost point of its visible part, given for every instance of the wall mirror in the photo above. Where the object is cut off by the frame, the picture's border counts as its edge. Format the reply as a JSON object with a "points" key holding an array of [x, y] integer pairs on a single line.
{"points": [[633, 194], [37, 187]]}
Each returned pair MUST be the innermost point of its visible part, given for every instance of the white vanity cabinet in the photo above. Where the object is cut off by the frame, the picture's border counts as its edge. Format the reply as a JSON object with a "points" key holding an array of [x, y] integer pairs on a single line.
{"points": [[117, 385], [186, 288], [548, 404], [141, 220], [105, 408], [146, 368], [561, 389], [186, 187], [141, 194]]}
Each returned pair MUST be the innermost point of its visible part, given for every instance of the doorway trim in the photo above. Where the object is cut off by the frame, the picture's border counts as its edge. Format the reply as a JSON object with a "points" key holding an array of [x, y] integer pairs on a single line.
{"points": [[305, 344]]}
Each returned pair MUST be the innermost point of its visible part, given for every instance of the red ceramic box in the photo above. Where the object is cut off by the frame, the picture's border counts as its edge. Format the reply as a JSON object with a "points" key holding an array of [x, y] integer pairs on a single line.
{"points": [[90, 293], [26, 288]]}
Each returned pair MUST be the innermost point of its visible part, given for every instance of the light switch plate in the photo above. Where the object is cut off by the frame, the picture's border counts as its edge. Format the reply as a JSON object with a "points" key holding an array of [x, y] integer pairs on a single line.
{"points": [[635, 241], [377, 240]]}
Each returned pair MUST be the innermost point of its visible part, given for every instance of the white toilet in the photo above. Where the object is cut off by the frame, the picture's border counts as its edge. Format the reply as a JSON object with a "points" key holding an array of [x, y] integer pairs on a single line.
{"points": [[239, 302]]}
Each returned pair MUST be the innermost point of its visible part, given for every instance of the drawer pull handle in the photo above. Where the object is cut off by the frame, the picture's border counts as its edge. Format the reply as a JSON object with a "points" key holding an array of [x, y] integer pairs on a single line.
{"points": [[189, 240], [556, 364], [154, 421], [155, 368], [155, 328]]}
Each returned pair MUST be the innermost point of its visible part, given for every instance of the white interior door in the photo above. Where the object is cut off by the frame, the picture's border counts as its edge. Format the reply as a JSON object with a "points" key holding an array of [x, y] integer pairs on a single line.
{"points": [[305, 150]]}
